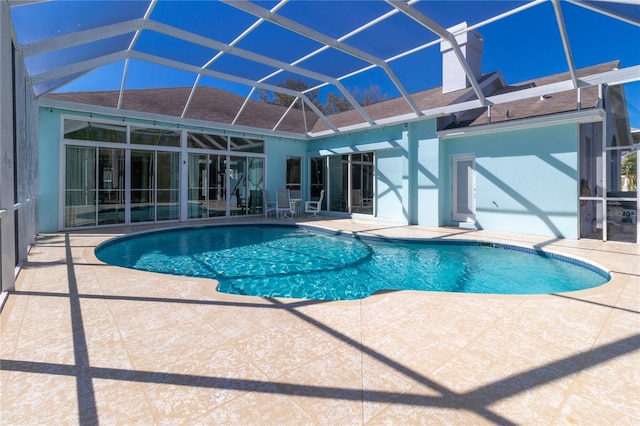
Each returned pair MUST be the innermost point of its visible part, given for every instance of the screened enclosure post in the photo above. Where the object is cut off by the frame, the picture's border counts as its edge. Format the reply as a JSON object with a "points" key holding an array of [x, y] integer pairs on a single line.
{"points": [[7, 221]]}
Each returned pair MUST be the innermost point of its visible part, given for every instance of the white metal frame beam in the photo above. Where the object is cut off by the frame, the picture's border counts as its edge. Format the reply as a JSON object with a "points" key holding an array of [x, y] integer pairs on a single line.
{"points": [[81, 37], [614, 77], [136, 36], [433, 26], [307, 32], [254, 57], [565, 41], [235, 41], [86, 66]]}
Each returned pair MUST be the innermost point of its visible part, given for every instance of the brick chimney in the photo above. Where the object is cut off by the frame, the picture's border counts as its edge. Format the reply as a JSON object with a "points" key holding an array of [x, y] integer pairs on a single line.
{"points": [[472, 45]]}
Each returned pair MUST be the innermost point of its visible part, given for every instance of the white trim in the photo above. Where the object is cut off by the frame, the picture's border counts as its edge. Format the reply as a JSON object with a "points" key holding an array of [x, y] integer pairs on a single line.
{"points": [[577, 117], [471, 189]]}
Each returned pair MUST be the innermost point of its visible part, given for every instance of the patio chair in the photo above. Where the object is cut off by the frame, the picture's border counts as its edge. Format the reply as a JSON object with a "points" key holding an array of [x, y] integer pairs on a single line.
{"points": [[283, 203], [269, 206], [314, 207]]}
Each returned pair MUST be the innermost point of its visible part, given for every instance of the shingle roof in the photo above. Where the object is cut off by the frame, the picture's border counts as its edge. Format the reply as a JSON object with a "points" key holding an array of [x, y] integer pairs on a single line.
{"points": [[551, 104], [208, 104], [219, 106]]}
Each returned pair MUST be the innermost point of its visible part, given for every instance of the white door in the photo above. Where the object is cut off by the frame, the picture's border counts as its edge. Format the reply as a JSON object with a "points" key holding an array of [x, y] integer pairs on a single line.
{"points": [[463, 177]]}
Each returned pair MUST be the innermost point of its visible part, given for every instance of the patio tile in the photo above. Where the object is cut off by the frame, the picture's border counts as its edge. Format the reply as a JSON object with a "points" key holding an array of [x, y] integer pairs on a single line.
{"points": [[154, 349]]}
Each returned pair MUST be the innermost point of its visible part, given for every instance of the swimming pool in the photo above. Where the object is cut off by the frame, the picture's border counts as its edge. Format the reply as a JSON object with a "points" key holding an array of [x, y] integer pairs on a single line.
{"points": [[301, 262]]}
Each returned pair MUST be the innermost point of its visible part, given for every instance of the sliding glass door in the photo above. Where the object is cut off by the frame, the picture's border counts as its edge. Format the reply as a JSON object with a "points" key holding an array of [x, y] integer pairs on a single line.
{"points": [[221, 185], [111, 186], [122, 174], [80, 186], [349, 183], [206, 186]]}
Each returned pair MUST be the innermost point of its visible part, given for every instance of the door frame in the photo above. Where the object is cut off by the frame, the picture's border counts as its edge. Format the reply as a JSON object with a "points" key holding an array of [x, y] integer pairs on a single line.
{"points": [[457, 216]]}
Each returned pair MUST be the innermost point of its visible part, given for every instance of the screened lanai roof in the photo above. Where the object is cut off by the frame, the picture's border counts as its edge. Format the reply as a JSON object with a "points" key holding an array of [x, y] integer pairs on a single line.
{"points": [[275, 66]]}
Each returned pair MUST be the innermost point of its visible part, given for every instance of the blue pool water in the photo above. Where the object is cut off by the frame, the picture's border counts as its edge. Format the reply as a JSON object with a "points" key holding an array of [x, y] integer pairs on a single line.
{"points": [[298, 262]]}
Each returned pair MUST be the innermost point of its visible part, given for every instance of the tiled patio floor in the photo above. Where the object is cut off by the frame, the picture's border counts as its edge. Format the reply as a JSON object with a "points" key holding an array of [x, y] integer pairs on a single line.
{"points": [[87, 343]]}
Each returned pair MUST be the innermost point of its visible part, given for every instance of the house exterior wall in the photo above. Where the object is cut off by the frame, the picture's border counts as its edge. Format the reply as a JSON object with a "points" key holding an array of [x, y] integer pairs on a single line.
{"points": [[392, 169], [51, 170], [277, 150], [425, 172], [526, 180]]}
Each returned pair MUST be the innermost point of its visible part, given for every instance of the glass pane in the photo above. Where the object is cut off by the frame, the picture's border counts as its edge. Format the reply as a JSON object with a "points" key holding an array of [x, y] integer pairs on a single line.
{"points": [[80, 186], [92, 131], [204, 141], [622, 220], [111, 194], [238, 186], [294, 166], [338, 179], [142, 186], [591, 160], [216, 186], [168, 206], [247, 145], [197, 185], [623, 173], [591, 219], [317, 179], [157, 137], [206, 189], [362, 183], [168, 185], [255, 182]]}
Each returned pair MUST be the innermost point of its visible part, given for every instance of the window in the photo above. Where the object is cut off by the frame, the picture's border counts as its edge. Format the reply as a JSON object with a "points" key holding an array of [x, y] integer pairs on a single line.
{"points": [[94, 131], [294, 166], [205, 141], [156, 137]]}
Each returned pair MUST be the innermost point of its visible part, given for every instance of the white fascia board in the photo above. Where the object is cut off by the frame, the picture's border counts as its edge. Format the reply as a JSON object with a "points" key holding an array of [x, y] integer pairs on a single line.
{"points": [[577, 117], [118, 114], [612, 78]]}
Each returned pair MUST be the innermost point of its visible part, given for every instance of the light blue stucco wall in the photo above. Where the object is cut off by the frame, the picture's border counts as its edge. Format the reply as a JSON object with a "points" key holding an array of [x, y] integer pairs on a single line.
{"points": [[277, 150], [49, 169], [425, 171], [526, 180], [390, 145]]}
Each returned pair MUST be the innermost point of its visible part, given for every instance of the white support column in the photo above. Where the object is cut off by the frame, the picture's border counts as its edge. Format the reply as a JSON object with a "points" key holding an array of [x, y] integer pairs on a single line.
{"points": [[7, 221], [184, 177], [605, 177]]}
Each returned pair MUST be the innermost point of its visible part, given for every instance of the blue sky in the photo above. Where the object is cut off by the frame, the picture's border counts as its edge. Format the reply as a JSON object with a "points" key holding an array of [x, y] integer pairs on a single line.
{"points": [[524, 46]]}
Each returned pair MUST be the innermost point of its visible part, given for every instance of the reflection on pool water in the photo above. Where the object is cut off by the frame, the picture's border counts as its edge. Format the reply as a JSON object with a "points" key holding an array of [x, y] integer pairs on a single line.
{"points": [[298, 262]]}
